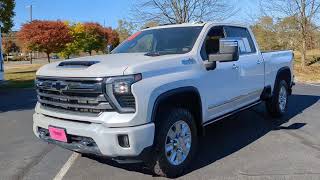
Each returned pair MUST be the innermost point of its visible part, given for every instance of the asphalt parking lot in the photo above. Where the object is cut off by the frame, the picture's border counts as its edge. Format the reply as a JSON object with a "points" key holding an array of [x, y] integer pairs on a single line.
{"points": [[249, 145]]}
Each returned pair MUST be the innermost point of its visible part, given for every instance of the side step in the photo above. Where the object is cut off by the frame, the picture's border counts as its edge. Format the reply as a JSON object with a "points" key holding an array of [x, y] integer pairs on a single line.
{"points": [[231, 113]]}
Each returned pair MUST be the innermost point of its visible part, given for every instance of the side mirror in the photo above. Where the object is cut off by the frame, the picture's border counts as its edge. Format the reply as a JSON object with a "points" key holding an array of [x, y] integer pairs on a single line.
{"points": [[228, 51]]}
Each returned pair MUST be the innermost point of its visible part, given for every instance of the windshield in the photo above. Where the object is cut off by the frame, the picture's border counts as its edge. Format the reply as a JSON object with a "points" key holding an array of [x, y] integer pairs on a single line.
{"points": [[155, 42]]}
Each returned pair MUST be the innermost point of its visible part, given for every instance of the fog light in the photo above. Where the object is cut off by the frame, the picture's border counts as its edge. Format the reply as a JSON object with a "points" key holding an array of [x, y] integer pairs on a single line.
{"points": [[124, 141]]}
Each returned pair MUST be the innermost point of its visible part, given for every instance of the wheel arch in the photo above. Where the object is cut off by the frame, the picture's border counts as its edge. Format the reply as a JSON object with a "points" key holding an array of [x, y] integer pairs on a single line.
{"points": [[178, 96], [284, 73]]}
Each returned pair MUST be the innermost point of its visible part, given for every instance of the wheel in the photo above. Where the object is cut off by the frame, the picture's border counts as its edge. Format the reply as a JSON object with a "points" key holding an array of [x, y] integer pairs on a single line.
{"points": [[277, 105], [175, 142]]}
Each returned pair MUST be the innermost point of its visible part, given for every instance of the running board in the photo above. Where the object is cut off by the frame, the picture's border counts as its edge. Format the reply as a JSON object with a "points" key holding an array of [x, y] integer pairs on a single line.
{"points": [[231, 113]]}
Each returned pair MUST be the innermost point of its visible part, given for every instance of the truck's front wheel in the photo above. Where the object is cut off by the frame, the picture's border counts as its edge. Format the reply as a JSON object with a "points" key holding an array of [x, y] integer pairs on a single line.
{"points": [[175, 142]]}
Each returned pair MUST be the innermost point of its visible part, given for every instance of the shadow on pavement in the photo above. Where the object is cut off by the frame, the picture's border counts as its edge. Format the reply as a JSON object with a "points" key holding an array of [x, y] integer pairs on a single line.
{"points": [[232, 134], [17, 99]]}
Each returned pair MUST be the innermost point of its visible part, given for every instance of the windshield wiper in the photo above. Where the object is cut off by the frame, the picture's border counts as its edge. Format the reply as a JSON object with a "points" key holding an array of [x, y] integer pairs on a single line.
{"points": [[152, 54]]}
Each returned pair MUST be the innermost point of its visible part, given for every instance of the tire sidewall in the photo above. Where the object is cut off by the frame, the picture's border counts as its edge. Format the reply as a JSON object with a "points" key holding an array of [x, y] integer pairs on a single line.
{"points": [[169, 118], [281, 84]]}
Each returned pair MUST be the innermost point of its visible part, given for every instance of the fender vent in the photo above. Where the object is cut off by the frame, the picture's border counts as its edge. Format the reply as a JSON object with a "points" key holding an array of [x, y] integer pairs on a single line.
{"points": [[78, 63]]}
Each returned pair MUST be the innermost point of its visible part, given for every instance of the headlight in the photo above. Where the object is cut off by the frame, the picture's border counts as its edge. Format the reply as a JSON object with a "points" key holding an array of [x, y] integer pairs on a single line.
{"points": [[118, 89]]}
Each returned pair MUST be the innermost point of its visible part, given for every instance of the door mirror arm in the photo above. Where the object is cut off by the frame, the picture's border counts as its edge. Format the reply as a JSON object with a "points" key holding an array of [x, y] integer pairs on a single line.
{"points": [[210, 65]]}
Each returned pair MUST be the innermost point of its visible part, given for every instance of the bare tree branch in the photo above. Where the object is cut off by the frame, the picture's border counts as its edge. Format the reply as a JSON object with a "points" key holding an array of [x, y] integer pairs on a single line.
{"points": [[305, 13], [181, 11]]}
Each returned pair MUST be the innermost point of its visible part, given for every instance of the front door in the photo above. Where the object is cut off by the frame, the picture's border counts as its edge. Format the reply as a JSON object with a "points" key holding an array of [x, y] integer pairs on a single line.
{"points": [[221, 84]]}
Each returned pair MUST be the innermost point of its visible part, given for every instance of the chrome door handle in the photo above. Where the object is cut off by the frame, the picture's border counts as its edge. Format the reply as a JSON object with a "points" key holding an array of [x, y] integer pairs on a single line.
{"points": [[234, 66]]}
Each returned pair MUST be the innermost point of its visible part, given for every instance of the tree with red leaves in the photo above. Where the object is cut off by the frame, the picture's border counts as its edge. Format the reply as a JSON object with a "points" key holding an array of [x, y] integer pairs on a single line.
{"points": [[113, 36], [45, 36]]}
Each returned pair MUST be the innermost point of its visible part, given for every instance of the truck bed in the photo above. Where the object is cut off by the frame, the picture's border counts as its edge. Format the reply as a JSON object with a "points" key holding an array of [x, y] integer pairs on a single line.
{"points": [[275, 60]]}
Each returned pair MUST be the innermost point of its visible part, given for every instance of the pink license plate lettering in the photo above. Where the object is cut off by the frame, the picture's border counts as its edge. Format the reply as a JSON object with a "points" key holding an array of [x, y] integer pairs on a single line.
{"points": [[58, 134]]}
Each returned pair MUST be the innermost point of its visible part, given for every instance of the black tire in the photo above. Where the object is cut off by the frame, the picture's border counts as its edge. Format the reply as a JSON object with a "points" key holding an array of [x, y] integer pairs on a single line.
{"points": [[159, 163], [273, 105]]}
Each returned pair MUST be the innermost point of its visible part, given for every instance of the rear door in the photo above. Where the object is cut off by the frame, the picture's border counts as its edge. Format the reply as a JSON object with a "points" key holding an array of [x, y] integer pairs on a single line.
{"points": [[251, 65]]}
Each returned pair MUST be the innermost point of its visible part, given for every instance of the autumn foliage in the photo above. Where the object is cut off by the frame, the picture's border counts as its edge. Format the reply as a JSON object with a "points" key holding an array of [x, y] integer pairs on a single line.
{"points": [[112, 36], [65, 38], [45, 36]]}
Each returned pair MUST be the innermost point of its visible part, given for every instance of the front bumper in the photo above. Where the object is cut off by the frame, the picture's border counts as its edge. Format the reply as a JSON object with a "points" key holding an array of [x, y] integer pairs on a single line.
{"points": [[105, 139]]}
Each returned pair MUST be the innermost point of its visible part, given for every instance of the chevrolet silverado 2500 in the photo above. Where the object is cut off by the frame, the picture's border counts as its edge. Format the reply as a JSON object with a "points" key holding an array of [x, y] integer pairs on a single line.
{"points": [[150, 99]]}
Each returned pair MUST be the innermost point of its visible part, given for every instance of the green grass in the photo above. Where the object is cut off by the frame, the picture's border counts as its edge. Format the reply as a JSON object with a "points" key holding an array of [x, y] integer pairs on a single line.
{"points": [[22, 77]]}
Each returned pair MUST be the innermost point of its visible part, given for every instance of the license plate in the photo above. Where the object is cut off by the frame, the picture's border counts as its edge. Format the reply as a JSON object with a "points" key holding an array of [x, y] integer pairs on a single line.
{"points": [[58, 134]]}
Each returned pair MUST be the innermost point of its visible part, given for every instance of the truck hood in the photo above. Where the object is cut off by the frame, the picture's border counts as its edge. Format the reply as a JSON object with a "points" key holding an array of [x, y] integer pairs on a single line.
{"points": [[108, 65]]}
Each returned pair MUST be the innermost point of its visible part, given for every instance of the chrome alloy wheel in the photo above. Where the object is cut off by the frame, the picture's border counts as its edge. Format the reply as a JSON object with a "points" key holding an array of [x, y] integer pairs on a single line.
{"points": [[283, 98], [178, 143]]}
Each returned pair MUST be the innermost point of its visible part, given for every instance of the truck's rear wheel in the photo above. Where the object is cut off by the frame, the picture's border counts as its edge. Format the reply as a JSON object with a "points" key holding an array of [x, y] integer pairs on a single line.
{"points": [[277, 105], [175, 142]]}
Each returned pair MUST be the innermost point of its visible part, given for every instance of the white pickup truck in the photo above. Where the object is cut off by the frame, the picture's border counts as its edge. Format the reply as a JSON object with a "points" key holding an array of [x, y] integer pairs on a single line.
{"points": [[151, 98]]}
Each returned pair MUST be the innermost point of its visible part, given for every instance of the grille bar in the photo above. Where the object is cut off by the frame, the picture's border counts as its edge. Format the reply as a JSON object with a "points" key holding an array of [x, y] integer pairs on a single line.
{"points": [[101, 106], [75, 96], [98, 99]]}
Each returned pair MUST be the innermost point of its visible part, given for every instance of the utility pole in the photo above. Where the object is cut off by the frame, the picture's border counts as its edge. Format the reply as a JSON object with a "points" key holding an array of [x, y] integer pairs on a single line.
{"points": [[104, 34], [30, 14]]}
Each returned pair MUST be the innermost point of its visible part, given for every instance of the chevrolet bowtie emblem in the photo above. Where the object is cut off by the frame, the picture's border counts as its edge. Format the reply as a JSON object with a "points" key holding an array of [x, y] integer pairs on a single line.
{"points": [[60, 86]]}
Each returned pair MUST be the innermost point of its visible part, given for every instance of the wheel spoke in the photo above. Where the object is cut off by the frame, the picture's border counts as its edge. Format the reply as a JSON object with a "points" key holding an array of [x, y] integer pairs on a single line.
{"points": [[169, 147], [173, 156], [178, 143], [179, 157], [171, 134], [282, 98], [185, 130]]}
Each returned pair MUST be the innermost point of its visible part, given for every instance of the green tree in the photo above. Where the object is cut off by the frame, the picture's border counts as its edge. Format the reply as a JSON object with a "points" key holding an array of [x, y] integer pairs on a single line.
{"points": [[77, 32], [125, 29], [6, 14], [94, 39]]}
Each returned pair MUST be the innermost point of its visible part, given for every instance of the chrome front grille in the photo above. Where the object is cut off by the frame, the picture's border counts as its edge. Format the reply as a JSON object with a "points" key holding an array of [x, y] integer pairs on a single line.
{"points": [[84, 96]]}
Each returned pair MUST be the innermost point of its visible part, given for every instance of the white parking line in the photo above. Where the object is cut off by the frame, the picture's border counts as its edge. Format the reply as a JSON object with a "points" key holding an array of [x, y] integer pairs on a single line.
{"points": [[63, 171]]}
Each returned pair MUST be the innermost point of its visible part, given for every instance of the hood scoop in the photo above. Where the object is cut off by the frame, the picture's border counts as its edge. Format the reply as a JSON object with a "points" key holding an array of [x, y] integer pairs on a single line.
{"points": [[77, 63]]}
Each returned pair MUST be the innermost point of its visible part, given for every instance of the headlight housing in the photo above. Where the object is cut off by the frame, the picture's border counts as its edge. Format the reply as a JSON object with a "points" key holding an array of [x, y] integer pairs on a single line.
{"points": [[118, 90]]}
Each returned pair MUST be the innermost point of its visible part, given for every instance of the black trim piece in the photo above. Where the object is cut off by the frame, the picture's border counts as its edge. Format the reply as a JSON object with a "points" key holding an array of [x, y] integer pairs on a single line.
{"points": [[278, 75], [73, 146], [144, 156], [266, 93], [78, 63], [231, 113], [165, 95]]}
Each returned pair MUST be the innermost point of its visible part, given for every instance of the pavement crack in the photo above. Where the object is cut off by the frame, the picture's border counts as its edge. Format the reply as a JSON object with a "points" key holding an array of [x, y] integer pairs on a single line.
{"points": [[304, 141], [33, 163]]}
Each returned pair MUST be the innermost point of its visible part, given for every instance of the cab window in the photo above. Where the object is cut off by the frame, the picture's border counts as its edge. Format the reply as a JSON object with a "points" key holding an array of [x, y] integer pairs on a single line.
{"points": [[211, 42], [245, 41]]}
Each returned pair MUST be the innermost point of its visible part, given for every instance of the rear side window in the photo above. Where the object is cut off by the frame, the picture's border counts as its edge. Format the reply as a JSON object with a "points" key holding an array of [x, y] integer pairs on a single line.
{"points": [[245, 42]]}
